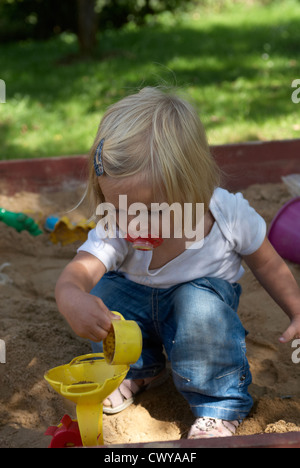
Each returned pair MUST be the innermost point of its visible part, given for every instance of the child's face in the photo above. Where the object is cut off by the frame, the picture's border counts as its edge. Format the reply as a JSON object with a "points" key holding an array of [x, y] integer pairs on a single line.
{"points": [[137, 190]]}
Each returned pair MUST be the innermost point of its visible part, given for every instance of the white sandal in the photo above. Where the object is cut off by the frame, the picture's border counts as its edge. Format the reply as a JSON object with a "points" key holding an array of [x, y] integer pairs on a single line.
{"points": [[124, 395], [204, 428]]}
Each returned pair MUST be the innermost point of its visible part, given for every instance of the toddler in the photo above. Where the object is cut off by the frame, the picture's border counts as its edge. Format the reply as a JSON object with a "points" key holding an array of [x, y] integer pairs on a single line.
{"points": [[177, 280]]}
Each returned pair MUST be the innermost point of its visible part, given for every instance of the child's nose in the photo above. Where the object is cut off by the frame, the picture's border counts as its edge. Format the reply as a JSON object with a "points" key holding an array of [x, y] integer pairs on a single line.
{"points": [[140, 224]]}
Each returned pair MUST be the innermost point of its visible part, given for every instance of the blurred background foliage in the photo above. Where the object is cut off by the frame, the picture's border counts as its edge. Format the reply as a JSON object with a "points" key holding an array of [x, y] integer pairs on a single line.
{"points": [[64, 62], [41, 19]]}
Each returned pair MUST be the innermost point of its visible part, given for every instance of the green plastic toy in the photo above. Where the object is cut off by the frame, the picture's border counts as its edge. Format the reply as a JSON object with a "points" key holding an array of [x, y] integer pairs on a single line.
{"points": [[20, 222]]}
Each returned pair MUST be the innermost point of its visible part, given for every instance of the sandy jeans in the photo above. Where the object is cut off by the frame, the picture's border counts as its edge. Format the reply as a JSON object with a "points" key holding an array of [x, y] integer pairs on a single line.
{"points": [[198, 326]]}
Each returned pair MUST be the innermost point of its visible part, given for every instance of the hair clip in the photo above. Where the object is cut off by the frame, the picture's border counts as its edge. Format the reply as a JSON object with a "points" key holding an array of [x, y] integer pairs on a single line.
{"points": [[98, 163]]}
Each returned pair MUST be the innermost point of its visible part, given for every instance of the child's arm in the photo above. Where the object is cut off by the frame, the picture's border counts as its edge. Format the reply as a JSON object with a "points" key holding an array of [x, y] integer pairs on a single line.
{"points": [[86, 314], [275, 276]]}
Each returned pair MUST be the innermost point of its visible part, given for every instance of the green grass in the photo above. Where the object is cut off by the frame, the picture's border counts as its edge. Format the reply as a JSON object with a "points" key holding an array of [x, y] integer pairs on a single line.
{"points": [[235, 63]]}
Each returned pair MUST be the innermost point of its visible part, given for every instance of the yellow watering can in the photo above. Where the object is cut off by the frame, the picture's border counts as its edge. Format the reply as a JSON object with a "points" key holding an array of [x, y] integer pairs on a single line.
{"points": [[87, 380], [123, 344]]}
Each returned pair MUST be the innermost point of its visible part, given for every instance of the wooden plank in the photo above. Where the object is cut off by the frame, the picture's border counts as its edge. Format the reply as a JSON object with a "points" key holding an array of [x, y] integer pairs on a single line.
{"points": [[286, 440], [244, 164], [257, 162], [42, 175]]}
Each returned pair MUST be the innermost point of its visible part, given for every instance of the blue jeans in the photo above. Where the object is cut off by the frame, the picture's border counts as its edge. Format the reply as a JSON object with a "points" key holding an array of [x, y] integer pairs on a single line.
{"points": [[198, 326]]}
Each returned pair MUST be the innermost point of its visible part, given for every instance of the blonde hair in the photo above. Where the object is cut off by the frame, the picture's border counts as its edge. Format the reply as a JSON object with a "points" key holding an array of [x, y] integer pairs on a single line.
{"points": [[158, 134]]}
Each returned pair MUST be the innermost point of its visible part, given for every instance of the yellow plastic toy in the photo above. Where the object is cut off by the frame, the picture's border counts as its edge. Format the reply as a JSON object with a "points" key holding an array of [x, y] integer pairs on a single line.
{"points": [[123, 344], [66, 232], [87, 380]]}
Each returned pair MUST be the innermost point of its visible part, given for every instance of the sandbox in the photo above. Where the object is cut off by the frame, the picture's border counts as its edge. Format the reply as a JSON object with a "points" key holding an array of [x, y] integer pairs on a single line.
{"points": [[37, 338]]}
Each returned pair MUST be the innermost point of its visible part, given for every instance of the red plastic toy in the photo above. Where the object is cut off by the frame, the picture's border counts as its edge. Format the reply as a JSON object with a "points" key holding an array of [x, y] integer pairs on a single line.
{"points": [[66, 434]]}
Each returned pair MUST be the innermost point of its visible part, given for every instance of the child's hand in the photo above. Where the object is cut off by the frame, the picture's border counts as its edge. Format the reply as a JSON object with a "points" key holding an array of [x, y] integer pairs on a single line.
{"points": [[277, 279], [88, 316], [293, 331]]}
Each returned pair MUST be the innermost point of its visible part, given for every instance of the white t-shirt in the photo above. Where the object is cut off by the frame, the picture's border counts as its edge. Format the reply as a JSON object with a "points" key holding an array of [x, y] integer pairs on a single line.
{"points": [[238, 230]]}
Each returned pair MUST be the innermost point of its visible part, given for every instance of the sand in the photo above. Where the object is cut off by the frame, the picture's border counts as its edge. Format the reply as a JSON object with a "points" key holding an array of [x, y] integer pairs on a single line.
{"points": [[37, 338]]}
